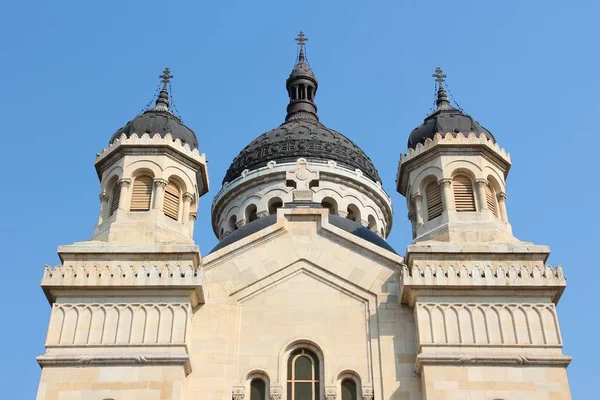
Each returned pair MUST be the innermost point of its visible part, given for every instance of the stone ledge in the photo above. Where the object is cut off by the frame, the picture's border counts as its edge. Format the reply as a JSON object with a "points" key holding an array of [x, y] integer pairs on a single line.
{"points": [[546, 280], [461, 359], [113, 359], [449, 139], [164, 279]]}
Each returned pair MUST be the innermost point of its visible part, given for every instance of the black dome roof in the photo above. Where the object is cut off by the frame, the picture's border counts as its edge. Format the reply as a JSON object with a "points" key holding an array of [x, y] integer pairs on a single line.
{"points": [[301, 135], [296, 138], [159, 120], [342, 223], [446, 119]]}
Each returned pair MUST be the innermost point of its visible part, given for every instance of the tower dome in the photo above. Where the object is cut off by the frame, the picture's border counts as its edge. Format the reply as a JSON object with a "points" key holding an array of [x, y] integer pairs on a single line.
{"points": [[445, 119], [159, 119], [302, 160], [301, 135]]}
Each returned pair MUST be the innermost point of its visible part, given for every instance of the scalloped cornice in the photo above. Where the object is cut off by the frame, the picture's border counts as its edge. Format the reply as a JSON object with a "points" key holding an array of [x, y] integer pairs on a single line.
{"points": [[449, 139]]}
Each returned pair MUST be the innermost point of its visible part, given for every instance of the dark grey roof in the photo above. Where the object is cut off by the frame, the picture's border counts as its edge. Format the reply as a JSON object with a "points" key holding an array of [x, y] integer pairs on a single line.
{"points": [[301, 135], [342, 223], [161, 122], [296, 138], [446, 119]]}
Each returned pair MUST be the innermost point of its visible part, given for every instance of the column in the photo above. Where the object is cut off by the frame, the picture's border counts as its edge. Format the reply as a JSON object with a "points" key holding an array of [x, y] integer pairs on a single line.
{"points": [[481, 184], [447, 196], [159, 194], [502, 206], [103, 206], [192, 219], [187, 201], [124, 183], [418, 199]]}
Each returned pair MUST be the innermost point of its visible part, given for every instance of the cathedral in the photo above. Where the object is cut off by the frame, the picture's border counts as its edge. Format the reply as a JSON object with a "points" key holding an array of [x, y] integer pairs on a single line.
{"points": [[303, 298]]}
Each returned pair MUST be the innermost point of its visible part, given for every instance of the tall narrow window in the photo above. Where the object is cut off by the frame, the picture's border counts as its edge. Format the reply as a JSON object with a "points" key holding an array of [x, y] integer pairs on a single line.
{"points": [[251, 213], [171, 202], [490, 200], [463, 194], [331, 204], [257, 389], [349, 389], [303, 376], [141, 193], [274, 204], [353, 213], [433, 196], [115, 198]]}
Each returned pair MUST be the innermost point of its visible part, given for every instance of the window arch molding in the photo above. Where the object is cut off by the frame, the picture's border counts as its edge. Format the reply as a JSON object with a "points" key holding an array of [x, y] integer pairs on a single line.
{"points": [[349, 375], [308, 344], [257, 374]]}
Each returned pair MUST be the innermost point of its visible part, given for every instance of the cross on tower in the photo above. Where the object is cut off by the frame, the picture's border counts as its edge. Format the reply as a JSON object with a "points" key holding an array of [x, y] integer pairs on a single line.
{"points": [[166, 77], [439, 76], [301, 39]]}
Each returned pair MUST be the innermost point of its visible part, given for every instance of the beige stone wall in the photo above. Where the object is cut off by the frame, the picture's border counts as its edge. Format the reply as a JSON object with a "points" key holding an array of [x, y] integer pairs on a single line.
{"points": [[112, 382], [302, 288], [495, 382]]}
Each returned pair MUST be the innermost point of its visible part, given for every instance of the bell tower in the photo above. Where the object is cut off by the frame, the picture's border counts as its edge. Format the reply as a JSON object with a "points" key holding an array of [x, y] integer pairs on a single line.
{"points": [[484, 301], [123, 299], [151, 177]]}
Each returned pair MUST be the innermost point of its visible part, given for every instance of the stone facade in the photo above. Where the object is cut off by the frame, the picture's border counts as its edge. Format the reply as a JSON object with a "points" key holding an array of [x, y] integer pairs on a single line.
{"points": [[306, 304]]}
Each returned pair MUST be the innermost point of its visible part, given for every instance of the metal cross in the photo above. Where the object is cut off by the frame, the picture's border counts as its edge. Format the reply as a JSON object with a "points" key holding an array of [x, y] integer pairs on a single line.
{"points": [[166, 77], [439, 76], [301, 39]]}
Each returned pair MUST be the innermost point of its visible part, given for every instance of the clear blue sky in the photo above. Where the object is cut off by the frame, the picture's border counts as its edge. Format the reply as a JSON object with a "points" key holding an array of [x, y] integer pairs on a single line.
{"points": [[75, 71]]}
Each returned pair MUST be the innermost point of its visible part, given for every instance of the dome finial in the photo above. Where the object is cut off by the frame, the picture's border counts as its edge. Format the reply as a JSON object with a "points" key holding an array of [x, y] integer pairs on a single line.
{"points": [[301, 39], [302, 87], [442, 101], [162, 102]]}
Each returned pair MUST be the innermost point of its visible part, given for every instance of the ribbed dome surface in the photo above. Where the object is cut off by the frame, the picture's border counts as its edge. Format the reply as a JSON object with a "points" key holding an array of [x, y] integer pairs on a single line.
{"points": [[161, 122], [301, 138], [445, 121]]}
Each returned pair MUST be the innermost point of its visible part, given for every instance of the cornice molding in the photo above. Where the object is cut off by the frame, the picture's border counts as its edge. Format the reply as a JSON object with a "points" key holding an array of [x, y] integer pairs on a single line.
{"points": [[113, 359]]}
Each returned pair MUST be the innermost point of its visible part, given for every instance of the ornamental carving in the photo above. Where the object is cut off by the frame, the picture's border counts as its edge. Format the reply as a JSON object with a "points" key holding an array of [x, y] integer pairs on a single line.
{"points": [[103, 197], [275, 393], [330, 393], [161, 183], [238, 393], [367, 393], [301, 139]]}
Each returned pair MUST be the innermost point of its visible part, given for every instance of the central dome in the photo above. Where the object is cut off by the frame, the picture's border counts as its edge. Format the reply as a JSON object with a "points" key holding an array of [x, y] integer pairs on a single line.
{"points": [[301, 138], [301, 135]]}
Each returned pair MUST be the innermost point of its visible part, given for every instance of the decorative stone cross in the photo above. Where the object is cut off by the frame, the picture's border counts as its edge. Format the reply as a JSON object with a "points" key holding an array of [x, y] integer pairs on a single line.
{"points": [[439, 76], [166, 77], [302, 178], [301, 39]]}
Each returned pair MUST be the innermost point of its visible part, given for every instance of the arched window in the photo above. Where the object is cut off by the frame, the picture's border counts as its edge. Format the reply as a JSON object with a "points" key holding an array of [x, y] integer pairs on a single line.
{"points": [[115, 198], [433, 195], [330, 204], [303, 376], [274, 204], [353, 213], [231, 224], [349, 389], [141, 193], [258, 389], [251, 213], [372, 223], [490, 199], [171, 202], [464, 198]]}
